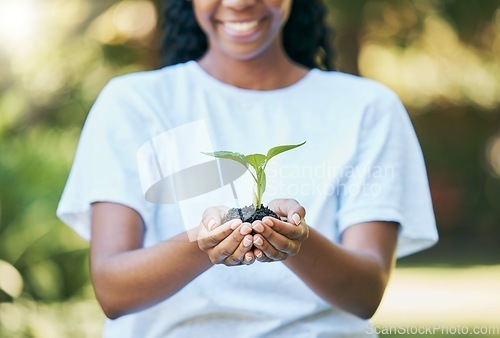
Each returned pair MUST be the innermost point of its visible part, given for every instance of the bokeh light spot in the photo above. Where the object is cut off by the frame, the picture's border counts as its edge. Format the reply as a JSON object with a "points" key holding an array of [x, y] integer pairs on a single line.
{"points": [[493, 154], [10, 280], [19, 23], [128, 20]]}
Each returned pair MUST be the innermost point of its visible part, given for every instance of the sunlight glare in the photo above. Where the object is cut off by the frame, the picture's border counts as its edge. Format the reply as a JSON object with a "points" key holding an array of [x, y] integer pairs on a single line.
{"points": [[19, 23]]}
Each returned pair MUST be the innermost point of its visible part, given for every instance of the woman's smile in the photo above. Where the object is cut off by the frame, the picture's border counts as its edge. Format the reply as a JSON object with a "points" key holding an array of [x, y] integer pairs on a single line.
{"points": [[242, 30]]}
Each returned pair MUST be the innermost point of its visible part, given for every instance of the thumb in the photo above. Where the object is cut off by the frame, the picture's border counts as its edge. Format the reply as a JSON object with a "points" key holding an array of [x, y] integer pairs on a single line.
{"points": [[214, 217], [289, 208]]}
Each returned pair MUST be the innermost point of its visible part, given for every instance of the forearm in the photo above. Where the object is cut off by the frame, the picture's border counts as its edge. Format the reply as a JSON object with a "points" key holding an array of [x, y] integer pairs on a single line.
{"points": [[133, 280], [351, 280]]}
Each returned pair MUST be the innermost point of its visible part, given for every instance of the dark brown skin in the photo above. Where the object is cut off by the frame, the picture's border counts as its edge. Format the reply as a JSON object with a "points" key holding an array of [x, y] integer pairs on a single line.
{"points": [[259, 64], [128, 277]]}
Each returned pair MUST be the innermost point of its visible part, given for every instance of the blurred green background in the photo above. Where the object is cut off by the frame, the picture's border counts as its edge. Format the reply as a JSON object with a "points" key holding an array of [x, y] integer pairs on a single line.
{"points": [[440, 56]]}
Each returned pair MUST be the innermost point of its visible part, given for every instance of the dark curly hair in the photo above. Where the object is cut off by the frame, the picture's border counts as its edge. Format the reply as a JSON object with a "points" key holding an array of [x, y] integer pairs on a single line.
{"points": [[307, 38]]}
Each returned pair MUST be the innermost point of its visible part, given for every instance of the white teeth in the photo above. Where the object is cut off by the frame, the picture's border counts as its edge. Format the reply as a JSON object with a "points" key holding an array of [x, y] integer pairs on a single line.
{"points": [[241, 27]]}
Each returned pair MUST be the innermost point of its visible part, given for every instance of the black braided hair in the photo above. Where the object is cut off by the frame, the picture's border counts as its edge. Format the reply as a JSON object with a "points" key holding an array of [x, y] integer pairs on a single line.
{"points": [[307, 38]]}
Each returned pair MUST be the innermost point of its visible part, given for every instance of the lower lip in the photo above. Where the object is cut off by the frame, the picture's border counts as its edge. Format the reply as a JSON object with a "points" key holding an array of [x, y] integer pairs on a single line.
{"points": [[242, 36]]}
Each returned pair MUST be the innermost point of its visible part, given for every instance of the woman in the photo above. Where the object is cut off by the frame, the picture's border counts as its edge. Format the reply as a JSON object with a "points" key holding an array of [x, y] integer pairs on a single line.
{"points": [[250, 71]]}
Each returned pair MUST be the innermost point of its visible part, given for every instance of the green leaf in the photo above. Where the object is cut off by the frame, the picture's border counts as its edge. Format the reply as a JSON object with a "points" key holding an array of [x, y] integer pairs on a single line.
{"points": [[280, 149], [230, 156], [255, 160], [258, 162]]}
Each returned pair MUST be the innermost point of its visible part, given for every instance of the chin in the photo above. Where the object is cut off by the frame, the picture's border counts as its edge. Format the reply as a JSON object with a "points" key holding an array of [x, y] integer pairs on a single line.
{"points": [[247, 54]]}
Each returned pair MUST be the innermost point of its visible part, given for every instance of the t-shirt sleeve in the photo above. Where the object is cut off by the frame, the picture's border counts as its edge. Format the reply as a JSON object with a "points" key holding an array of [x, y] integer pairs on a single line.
{"points": [[105, 166], [387, 179]]}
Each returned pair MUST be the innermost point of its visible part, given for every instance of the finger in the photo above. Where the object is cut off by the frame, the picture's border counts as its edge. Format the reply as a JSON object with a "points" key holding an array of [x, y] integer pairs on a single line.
{"points": [[261, 256], [277, 240], [214, 217], [288, 230], [227, 247], [249, 258], [296, 219], [210, 239], [243, 253], [267, 249], [289, 208]]}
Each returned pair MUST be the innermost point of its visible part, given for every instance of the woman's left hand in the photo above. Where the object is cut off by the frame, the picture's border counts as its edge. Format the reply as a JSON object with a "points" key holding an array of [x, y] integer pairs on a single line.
{"points": [[274, 239]]}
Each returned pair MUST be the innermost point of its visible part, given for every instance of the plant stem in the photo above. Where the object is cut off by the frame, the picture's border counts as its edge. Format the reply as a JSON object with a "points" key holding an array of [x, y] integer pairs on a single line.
{"points": [[258, 197]]}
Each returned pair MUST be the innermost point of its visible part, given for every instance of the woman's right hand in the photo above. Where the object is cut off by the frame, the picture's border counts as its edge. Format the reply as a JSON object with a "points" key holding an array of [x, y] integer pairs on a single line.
{"points": [[228, 243]]}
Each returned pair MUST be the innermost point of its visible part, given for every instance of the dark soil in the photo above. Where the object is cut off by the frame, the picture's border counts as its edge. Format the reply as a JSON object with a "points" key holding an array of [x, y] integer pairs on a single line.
{"points": [[249, 214]]}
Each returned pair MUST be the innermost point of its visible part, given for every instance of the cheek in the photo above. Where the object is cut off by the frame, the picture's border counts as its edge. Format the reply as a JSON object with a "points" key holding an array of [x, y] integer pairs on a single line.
{"points": [[203, 12], [280, 9]]}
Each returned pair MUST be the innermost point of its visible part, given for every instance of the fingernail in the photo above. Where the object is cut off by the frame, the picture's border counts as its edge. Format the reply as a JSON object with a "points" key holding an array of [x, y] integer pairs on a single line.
{"points": [[258, 254], [247, 242], [235, 224], [296, 219], [268, 221], [211, 224], [259, 241], [248, 257], [245, 230], [258, 227]]}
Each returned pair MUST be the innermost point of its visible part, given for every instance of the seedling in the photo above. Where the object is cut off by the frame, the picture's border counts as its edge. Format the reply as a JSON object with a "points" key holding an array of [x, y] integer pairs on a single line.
{"points": [[256, 165]]}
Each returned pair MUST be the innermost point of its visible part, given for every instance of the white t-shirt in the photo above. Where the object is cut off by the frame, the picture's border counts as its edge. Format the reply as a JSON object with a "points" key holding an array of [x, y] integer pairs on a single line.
{"points": [[362, 162]]}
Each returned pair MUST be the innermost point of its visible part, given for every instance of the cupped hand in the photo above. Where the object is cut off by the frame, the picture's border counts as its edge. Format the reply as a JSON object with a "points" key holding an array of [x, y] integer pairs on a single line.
{"points": [[275, 239], [228, 243]]}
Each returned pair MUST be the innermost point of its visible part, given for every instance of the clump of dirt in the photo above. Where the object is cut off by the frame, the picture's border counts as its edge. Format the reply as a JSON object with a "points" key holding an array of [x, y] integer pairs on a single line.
{"points": [[248, 214]]}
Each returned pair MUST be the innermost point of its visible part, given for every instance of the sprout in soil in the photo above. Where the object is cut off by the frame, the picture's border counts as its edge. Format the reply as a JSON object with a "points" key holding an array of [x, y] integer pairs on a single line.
{"points": [[256, 165]]}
